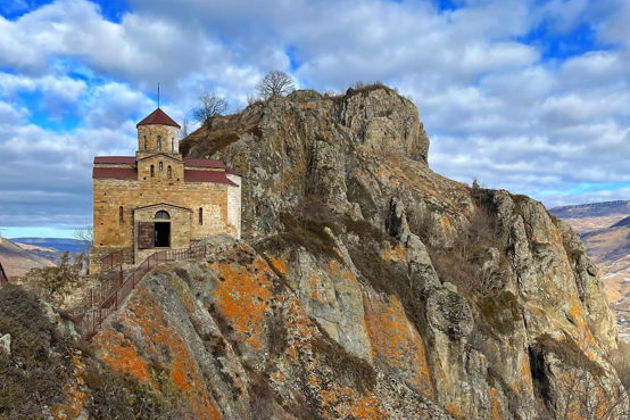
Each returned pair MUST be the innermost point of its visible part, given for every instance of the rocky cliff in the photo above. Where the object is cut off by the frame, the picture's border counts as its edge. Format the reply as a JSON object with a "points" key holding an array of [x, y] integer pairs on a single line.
{"points": [[366, 286]]}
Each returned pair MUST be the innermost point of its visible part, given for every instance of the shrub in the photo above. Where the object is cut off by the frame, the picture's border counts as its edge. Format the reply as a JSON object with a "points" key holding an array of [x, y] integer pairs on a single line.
{"points": [[116, 396], [53, 283], [34, 374]]}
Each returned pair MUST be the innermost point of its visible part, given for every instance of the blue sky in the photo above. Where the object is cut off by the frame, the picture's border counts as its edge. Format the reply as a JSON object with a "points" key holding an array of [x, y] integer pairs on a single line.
{"points": [[528, 95]]}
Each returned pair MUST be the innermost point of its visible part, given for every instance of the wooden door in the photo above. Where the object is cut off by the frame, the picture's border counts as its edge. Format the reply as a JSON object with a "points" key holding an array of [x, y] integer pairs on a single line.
{"points": [[146, 235]]}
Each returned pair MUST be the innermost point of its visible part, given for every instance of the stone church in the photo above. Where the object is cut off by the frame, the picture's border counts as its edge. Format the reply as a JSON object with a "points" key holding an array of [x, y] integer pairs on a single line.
{"points": [[158, 200]]}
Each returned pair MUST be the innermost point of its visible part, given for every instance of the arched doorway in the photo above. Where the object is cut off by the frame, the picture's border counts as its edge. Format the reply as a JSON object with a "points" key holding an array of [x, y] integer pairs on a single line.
{"points": [[162, 230]]}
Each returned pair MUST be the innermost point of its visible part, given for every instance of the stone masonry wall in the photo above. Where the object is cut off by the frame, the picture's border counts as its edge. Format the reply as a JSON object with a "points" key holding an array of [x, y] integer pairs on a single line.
{"points": [[112, 233], [160, 173], [150, 133], [181, 223], [234, 205]]}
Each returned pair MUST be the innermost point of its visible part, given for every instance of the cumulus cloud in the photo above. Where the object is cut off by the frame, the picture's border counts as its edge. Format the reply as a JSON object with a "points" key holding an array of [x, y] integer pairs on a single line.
{"points": [[495, 104]]}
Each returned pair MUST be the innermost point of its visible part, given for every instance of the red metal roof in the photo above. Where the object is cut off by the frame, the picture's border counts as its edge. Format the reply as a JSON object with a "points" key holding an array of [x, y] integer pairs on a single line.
{"points": [[158, 117], [231, 171], [207, 176], [116, 173], [203, 163], [114, 160]]}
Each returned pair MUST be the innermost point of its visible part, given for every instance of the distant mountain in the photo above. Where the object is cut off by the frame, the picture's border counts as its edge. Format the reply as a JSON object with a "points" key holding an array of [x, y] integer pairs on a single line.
{"points": [[17, 260], [625, 222], [607, 208], [61, 245]]}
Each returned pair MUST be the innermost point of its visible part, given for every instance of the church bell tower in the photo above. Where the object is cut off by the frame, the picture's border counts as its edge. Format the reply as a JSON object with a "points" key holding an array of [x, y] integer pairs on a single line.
{"points": [[157, 133]]}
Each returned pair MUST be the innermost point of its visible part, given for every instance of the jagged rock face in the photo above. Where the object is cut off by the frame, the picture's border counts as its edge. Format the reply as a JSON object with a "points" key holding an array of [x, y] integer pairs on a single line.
{"points": [[236, 341], [309, 145], [369, 286]]}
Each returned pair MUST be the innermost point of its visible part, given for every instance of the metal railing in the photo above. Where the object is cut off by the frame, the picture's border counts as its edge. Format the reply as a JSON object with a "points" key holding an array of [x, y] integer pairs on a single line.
{"points": [[106, 298], [111, 261]]}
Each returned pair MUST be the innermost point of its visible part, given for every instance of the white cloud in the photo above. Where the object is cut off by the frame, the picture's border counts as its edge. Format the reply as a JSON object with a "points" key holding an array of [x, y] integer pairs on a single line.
{"points": [[9, 115], [60, 87], [110, 105], [494, 107]]}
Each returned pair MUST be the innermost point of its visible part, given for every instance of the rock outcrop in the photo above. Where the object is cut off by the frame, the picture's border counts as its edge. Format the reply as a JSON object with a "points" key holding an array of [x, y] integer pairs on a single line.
{"points": [[367, 286], [477, 300]]}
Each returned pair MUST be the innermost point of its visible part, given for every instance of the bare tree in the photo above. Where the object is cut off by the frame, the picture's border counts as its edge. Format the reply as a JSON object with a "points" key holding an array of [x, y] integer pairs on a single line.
{"points": [[84, 234], [275, 83], [183, 132], [210, 106]]}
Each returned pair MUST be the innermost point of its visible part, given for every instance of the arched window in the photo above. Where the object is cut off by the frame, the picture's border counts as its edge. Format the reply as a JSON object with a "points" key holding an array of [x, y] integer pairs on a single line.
{"points": [[161, 166], [159, 144], [121, 215], [200, 216], [162, 215], [146, 143], [169, 172], [152, 170]]}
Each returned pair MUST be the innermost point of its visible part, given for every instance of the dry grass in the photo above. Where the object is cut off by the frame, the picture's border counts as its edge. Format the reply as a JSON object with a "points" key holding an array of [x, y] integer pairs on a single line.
{"points": [[621, 362], [349, 370], [462, 263], [569, 353]]}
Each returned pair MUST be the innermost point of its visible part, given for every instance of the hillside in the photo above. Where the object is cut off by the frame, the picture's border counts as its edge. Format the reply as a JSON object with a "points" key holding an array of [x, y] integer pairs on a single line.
{"points": [[605, 230], [625, 222], [59, 245], [366, 287], [17, 260], [591, 210]]}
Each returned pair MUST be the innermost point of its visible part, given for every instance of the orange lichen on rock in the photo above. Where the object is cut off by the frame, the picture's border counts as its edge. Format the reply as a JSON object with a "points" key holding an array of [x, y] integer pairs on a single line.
{"points": [[299, 321], [578, 316], [523, 383], [366, 408], [495, 405], [334, 268], [394, 254], [446, 223], [243, 298], [143, 312], [455, 410], [396, 343], [347, 403], [121, 355], [75, 397], [313, 284], [278, 264]]}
